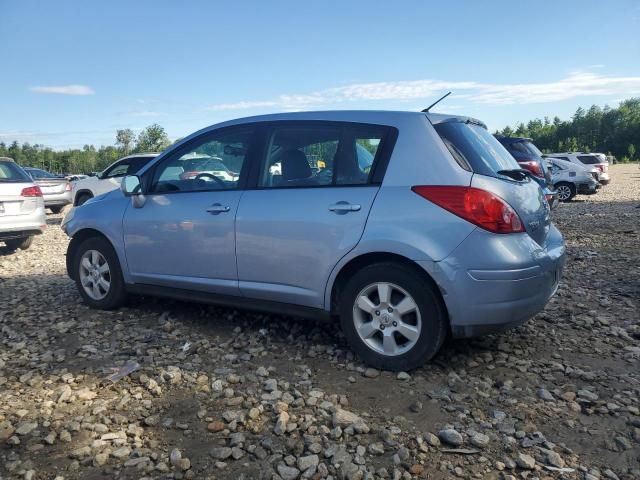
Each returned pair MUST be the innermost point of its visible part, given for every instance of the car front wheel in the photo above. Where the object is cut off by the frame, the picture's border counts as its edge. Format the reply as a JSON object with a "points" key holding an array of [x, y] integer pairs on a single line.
{"points": [[98, 275], [392, 316]]}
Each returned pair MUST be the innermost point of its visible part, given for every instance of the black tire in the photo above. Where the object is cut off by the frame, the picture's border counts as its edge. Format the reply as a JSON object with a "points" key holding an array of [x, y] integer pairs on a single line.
{"points": [[116, 294], [56, 210], [19, 243], [431, 309], [566, 186], [83, 197]]}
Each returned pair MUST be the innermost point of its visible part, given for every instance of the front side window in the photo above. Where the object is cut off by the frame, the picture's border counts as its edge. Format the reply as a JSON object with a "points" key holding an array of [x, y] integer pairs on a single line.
{"points": [[320, 155], [212, 162], [119, 169]]}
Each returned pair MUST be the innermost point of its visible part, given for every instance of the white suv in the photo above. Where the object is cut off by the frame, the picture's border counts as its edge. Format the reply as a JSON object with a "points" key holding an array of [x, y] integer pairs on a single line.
{"points": [[596, 163], [109, 179]]}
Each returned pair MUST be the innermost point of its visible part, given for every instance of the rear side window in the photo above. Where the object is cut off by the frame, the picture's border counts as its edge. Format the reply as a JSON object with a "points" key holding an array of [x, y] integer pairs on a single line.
{"points": [[12, 173], [589, 159], [474, 148], [321, 154]]}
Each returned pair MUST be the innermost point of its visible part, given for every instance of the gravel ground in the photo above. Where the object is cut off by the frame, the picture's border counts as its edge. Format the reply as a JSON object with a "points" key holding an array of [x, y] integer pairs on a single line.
{"points": [[221, 393]]}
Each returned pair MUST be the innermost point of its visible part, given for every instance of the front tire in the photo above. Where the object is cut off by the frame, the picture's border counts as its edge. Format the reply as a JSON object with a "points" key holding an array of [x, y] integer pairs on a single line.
{"points": [[392, 316], [19, 243], [566, 191], [82, 198], [98, 275]]}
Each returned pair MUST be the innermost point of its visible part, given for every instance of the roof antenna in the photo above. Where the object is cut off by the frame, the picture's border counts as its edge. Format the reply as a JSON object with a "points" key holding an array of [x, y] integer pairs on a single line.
{"points": [[426, 110]]}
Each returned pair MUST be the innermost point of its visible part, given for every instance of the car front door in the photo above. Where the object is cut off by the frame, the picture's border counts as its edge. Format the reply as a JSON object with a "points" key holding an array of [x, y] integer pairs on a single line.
{"points": [[183, 235], [304, 216]]}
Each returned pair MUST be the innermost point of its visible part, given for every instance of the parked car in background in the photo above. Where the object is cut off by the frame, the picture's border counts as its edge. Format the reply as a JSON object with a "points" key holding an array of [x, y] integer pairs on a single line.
{"points": [[403, 251], [205, 167], [75, 177], [530, 158], [109, 179], [570, 179], [56, 190], [22, 214], [596, 163]]}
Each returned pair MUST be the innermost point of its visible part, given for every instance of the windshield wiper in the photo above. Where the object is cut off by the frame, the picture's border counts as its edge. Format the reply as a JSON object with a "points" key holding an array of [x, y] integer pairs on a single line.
{"points": [[515, 173]]}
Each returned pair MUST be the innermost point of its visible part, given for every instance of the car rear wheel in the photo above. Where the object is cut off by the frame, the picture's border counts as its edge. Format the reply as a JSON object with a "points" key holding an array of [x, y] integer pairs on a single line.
{"points": [[19, 243], [566, 191], [98, 275], [392, 316]]}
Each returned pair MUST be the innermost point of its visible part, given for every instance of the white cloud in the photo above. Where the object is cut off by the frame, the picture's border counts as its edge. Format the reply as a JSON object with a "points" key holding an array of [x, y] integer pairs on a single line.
{"points": [[576, 84], [65, 90]]}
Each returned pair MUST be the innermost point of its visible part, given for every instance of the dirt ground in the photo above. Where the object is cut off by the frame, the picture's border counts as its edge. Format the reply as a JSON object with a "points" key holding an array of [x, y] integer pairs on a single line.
{"points": [[222, 393]]}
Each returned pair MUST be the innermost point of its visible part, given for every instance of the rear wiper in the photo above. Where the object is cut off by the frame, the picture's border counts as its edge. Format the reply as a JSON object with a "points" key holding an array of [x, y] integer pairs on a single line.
{"points": [[515, 173]]}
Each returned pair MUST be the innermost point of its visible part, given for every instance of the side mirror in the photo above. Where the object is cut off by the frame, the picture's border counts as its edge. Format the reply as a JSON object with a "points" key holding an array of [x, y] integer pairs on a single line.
{"points": [[131, 185]]}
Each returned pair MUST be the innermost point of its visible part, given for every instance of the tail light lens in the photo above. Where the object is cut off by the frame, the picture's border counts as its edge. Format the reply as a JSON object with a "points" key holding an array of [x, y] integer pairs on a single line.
{"points": [[477, 206], [188, 175], [31, 192], [533, 166], [67, 187]]}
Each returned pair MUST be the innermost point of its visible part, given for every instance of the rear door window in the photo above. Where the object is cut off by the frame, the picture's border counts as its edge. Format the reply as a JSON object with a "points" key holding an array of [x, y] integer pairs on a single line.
{"points": [[474, 148]]}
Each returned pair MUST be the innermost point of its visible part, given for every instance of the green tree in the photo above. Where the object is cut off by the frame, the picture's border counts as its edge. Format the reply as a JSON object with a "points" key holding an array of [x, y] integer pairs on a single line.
{"points": [[125, 139], [152, 139], [631, 151]]}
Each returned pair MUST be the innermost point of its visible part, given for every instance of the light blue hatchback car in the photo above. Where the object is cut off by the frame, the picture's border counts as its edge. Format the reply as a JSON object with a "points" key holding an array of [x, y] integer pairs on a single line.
{"points": [[405, 226]]}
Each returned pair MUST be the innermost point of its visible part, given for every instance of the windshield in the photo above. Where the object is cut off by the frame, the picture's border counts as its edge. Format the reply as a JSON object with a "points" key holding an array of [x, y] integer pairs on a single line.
{"points": [[474, 146], [12, 173]]}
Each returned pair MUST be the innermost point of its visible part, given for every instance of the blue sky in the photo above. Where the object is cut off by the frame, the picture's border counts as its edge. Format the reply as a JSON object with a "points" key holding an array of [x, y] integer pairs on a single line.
{"points": [[75, 71]]}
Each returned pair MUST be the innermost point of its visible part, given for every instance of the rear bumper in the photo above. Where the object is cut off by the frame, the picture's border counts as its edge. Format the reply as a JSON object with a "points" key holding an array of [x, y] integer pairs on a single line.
{"points": [[57, 199], [587, 188], [604, 178], [19, 226], [494, 282]]}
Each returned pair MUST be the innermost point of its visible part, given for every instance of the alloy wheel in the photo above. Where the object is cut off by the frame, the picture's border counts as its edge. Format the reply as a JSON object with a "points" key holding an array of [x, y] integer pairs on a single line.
{"points": [[95, 275], [387, 318], [564, 192]]}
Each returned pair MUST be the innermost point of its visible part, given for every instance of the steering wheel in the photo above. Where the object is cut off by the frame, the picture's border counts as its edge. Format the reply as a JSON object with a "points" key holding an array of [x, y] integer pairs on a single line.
{"points": [[202, 176]]}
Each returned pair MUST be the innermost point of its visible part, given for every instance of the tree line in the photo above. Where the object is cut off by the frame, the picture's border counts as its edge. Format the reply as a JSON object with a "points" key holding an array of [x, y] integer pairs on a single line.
{"points": [[88, 158], [613, 131]]}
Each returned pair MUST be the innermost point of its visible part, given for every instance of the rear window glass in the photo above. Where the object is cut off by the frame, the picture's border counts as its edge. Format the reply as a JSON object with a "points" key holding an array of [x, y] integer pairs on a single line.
{"points": [[474, 146], [37, 173], [527, 148], [589, 159], [10, 172]]}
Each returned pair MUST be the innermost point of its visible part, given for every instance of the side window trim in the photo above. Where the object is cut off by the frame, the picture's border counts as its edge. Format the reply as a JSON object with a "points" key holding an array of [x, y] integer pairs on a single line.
{"points": [[380, 161], [149, 178]]}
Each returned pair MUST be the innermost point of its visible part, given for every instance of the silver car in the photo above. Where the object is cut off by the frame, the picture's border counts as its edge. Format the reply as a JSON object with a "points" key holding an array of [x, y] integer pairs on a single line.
{"points": [[56, 191], [441, 233], [570, 179], [22, 212]]}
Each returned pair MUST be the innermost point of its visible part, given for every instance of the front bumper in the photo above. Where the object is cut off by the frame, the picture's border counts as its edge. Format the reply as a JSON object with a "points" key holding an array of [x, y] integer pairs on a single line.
{"points": [[493, 282], [57, 199]]}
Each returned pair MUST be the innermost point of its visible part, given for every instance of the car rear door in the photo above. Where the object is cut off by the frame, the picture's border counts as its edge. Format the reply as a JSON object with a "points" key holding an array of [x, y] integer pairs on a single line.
{"points": [[302, 218], [183, 236]]}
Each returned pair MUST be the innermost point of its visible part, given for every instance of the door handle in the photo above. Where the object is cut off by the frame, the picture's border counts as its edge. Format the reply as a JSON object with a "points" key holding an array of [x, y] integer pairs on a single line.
{"points": [[216, 209], [342, 208]]}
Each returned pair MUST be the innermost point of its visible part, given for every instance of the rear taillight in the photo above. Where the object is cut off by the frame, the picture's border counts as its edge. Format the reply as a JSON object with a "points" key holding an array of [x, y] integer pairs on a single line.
{"points": [[67, 187], [533, 167], [31, 192], [188, 175], [477, 206]]}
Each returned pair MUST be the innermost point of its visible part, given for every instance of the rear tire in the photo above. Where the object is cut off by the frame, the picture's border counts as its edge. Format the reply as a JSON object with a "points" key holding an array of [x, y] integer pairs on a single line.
{"points": [[566, 191], [19, 243], [98, 276], [82, 198], [392, 316]]}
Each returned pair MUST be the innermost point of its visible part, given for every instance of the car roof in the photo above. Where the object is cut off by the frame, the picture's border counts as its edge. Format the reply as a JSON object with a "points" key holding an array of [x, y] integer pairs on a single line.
{"points": [[7, 159], [138, 155], [504, 139]]}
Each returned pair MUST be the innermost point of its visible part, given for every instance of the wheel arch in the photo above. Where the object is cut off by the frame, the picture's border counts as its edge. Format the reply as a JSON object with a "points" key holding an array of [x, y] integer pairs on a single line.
{"points": [[361, 261], [76, 241], [79, 193]]}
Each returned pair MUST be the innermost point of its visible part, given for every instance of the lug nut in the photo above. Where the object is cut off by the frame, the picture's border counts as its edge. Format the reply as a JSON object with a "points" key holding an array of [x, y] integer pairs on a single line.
{"points": [[381, 327], [377, 312], [395, 324], [389, 309]]}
